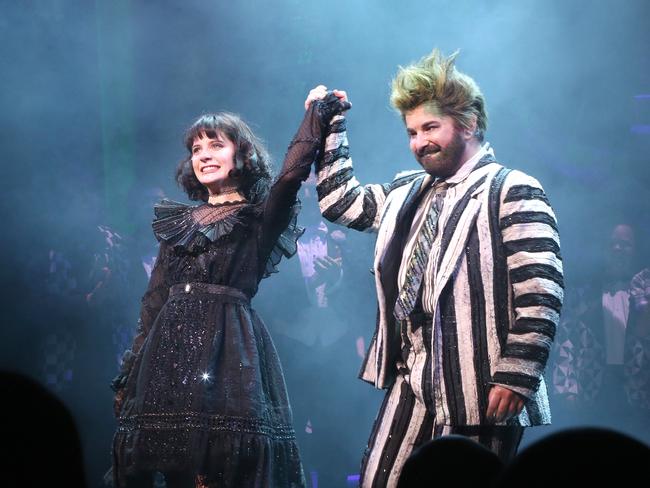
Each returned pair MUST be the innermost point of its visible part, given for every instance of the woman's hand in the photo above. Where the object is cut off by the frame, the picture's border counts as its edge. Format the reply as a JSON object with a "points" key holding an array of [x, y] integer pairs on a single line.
{"points": [[320, 92], [327, 104]]}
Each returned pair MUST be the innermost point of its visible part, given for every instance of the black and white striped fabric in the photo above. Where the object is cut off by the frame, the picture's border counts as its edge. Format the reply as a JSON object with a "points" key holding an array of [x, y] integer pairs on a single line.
{"points": [[493, 282], [404, 424]]}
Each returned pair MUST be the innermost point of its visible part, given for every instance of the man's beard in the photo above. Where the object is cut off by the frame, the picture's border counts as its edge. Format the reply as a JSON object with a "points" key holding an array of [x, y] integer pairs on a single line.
{"points": [[446, 160]]}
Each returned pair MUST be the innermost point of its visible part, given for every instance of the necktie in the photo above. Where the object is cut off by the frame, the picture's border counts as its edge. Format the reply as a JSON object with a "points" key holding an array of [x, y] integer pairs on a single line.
{"points": [[417, 263]]}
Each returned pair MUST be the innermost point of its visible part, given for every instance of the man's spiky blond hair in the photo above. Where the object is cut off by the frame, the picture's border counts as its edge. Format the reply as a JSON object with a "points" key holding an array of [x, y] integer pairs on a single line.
{"points": [[435, 82]]}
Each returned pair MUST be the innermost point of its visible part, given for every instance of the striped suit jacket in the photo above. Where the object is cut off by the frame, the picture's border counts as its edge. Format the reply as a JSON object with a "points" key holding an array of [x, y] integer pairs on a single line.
{"points": [[495, 293]]}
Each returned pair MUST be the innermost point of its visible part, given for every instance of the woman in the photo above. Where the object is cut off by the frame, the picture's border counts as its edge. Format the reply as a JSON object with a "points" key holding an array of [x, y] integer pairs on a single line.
{"points": [[201, 396]]}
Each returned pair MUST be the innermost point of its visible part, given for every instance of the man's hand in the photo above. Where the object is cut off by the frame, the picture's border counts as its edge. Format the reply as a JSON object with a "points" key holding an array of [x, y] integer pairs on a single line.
{"points": [[320, 92], [503, 404]]}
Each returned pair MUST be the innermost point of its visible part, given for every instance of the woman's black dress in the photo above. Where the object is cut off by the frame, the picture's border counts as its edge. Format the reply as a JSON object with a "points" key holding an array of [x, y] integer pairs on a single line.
{"points": [[205, 392]]}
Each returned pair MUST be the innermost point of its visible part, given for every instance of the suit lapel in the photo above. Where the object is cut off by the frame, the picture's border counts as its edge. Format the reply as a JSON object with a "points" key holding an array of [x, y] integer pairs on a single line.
{"points": [[460, 223], [392, 256], [390, 244]]}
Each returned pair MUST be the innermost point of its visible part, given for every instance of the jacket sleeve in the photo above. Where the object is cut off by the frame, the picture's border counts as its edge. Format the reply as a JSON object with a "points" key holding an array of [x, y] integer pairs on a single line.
{"points": [[152, 301], [279, 208], [342, 199], [531, 242]]}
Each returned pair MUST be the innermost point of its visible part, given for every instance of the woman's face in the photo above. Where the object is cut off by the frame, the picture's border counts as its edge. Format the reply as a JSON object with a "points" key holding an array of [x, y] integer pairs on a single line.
{"points": [[212, 161]]}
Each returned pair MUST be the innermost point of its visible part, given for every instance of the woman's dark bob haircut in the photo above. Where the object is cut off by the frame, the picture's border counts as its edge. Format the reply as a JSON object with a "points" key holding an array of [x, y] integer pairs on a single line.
{"points": [[252, 173]]}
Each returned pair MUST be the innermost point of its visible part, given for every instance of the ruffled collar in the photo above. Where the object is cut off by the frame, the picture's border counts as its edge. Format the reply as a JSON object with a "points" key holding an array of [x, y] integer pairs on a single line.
{"points": [[189, 226], [193, 226]]}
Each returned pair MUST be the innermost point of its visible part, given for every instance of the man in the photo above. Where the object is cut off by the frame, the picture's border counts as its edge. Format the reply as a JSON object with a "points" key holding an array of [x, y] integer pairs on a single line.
{"points": [[468, 275], [600, 366]]}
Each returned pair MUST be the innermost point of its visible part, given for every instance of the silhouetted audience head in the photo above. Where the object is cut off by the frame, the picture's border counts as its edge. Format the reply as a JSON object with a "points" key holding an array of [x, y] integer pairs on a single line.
{"points": [[585, 456], [452, 460], [40, 442]]}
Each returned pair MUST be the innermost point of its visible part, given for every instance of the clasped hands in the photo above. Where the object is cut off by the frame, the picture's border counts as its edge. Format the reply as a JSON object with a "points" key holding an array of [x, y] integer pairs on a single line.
{"points": [[320, 92]]}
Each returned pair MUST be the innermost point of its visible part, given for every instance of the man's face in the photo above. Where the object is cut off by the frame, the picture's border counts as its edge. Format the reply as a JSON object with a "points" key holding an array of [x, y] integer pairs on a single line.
{"points": [[435, 141], [622, 250]]}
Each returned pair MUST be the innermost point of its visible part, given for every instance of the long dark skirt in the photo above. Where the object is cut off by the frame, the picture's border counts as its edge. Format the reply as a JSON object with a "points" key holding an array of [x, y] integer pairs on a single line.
{"points": [[207, 396]]}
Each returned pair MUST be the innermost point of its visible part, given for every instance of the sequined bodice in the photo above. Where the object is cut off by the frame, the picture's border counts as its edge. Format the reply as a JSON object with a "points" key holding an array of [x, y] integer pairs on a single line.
{"points": [[232, 260]]}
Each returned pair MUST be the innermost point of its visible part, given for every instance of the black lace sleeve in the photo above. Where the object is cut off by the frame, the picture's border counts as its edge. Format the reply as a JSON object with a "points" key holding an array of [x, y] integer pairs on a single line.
{"points": [[152, 301], [281, 204]]}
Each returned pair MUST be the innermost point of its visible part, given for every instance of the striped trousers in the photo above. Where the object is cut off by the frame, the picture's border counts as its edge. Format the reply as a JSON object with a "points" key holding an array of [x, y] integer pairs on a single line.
{"points": [[404, 423]]}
